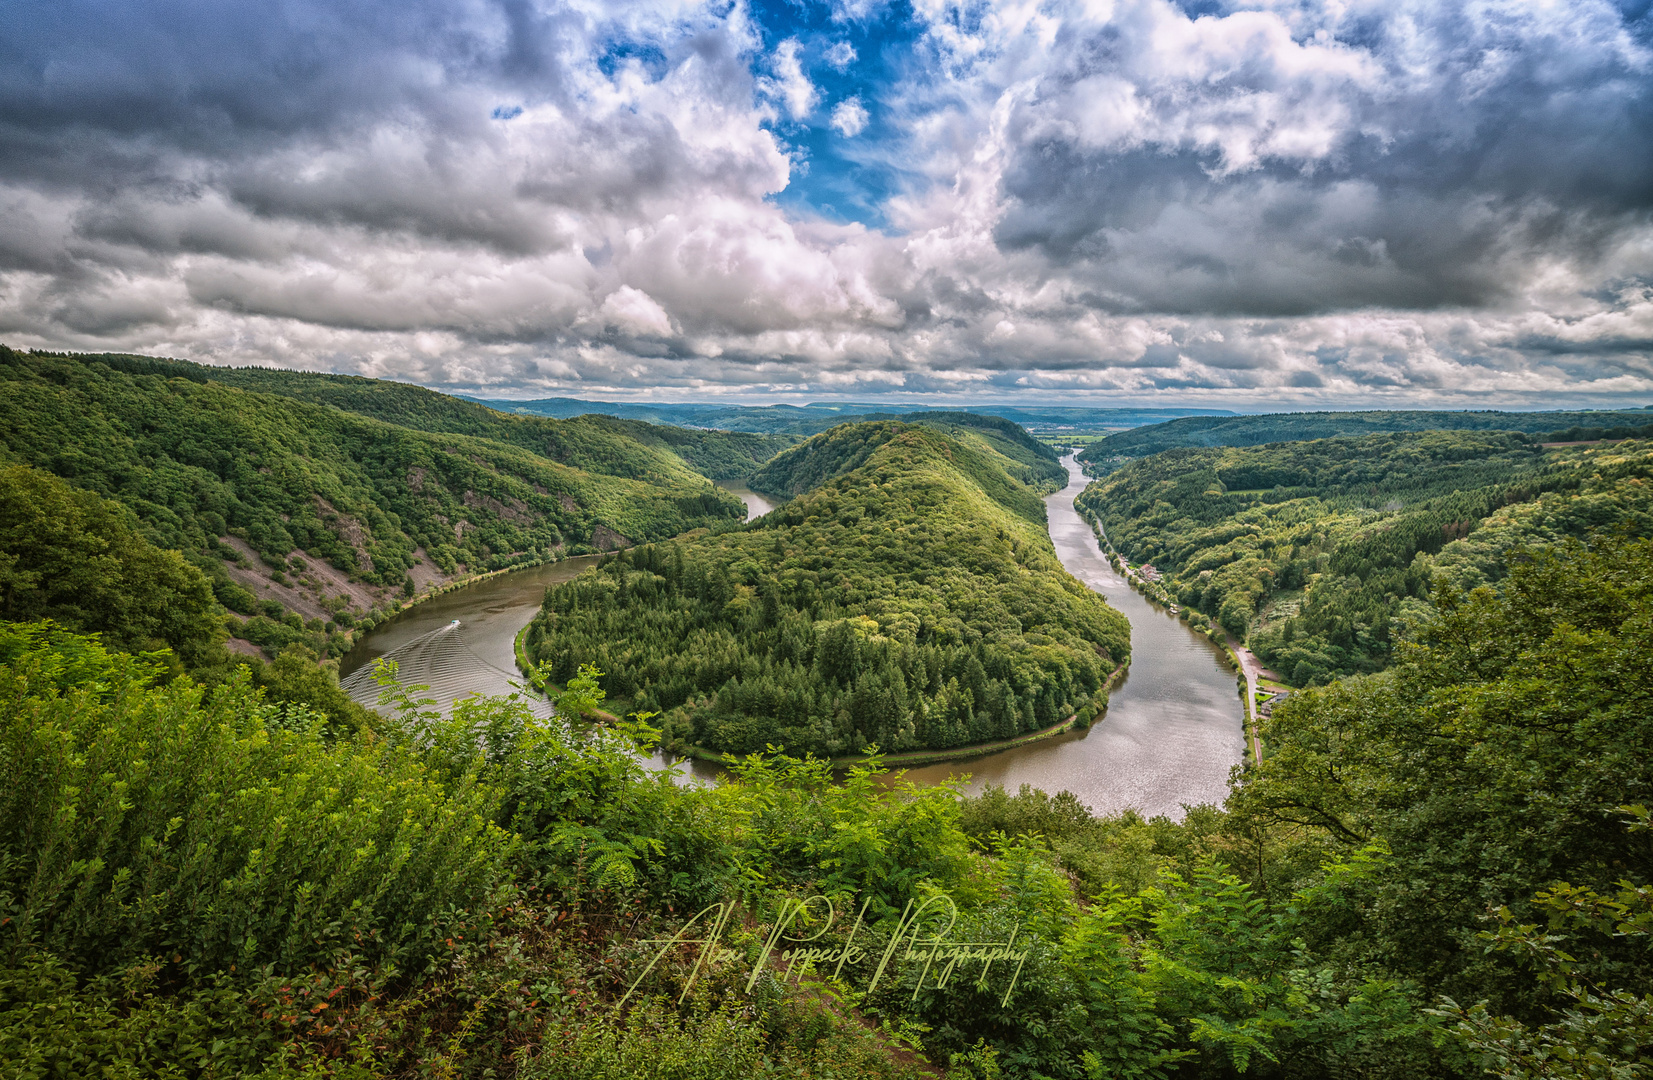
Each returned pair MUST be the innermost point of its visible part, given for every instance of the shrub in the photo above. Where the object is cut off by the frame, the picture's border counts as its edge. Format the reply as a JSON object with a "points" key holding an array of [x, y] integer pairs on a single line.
{"points": [[214, 829]]}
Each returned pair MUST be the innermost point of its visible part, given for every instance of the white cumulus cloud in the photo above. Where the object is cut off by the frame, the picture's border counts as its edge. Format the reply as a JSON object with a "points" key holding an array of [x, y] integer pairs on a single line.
{"points": [[849, 117]]}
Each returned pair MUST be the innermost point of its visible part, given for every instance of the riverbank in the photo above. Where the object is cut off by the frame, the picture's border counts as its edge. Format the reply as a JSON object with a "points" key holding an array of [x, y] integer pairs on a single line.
{"points": [[364, 627], [967, 753], [1169, 740], [1235, 655]]}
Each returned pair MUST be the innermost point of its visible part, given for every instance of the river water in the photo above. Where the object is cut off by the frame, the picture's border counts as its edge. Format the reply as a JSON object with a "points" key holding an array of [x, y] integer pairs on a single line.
{"points": [[476, 655], [1173, 728], [1172, 731], [756, 505]]}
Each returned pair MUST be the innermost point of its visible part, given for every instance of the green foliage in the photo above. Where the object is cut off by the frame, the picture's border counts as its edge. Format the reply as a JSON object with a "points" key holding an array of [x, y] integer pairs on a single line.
{"points": [[808, 832], [909, 598], [121, 1026], [72, 557], [214, 830], [657, 1043], [1489, 760], [296, 678], [1124, 852], [1596, 1032], [1322, 551]]}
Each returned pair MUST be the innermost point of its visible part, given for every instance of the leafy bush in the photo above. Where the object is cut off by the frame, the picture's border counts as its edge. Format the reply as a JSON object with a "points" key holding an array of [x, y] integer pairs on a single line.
{"points": [[215, 830]]}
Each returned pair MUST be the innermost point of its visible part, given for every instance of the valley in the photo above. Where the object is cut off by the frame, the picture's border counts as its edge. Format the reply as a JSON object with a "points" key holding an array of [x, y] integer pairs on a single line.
{"points": [[444, 877]]}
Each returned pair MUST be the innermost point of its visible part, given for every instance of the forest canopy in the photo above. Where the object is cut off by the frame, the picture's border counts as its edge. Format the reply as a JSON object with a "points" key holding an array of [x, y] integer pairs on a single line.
{"points": [[252, 486], [1320, 552], [1256, 430], [908, 598]]}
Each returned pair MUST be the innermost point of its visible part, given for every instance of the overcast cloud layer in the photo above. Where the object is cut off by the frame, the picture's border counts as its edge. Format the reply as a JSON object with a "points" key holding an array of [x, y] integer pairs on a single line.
{"points": [[1275, 203]]}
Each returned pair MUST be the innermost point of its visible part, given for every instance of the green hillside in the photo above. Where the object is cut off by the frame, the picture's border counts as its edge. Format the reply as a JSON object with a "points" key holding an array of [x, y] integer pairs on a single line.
{"points": [[604, 444], [80, 561], [908, 597], [1320, 552], [1212, 431], [1010, 469], [306, 514]]}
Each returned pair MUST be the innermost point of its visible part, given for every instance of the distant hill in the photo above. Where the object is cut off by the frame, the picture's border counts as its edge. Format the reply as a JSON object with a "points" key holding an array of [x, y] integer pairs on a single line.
{"points": [[845, 447], [1210, 431], [587, 441], [814, 418]]}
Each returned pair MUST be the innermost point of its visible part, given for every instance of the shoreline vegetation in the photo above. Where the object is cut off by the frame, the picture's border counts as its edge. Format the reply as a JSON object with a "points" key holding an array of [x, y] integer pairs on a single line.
{"points": [[915, 758]]}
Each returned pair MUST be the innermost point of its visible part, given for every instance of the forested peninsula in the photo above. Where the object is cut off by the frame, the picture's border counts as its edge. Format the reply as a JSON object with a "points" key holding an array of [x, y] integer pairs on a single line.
{"points": [[908, 597]]}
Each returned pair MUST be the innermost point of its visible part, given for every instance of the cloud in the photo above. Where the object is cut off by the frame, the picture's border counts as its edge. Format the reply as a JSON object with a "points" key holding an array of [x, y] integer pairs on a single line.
{"points": [[634, 312], [790, 85], [840, 55], [1274, 203], [849, 117]]}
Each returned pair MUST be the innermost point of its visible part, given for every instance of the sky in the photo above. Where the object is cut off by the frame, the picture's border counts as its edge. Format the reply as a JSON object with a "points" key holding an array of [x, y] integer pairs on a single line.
{"points": [[1268, 205]]}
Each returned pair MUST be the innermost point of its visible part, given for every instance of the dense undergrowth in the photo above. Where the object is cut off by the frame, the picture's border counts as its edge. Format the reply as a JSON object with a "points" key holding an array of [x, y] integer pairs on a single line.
{"points": [[908, 598], [1438, 869]]}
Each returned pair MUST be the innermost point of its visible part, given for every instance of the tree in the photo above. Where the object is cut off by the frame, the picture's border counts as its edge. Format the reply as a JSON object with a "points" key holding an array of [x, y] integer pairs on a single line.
{"points": [[72, 557]]}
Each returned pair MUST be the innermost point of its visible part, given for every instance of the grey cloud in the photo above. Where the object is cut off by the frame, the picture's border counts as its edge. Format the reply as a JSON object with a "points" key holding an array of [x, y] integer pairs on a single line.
{"points": [[1479, 142], [325, 185]]}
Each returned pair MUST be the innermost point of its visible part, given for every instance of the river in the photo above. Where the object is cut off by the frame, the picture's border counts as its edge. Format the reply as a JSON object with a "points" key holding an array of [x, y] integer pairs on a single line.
{"points": [[454, 660], [1173, 728], [756, 505], [1172, 731]]}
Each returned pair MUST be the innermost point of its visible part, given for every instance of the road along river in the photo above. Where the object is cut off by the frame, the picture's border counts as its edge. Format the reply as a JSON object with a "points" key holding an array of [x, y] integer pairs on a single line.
{"points": [[1172, 731]]}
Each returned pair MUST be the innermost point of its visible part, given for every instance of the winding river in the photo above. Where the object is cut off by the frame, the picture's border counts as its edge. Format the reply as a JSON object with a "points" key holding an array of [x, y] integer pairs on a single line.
{"points": [[1174, 727], [1172, 731]]}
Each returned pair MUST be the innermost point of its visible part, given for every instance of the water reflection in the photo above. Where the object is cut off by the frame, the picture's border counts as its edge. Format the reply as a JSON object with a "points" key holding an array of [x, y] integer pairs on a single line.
{"points": [[490, 613], [756, 505]]}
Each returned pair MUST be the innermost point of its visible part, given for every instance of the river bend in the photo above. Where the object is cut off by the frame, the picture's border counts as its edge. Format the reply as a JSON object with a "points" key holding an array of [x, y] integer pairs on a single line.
{"points": [[1172, 732]]}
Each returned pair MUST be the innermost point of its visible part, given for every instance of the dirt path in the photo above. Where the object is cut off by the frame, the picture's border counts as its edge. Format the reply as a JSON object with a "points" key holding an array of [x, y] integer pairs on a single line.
{"points": [[1253, 671]]}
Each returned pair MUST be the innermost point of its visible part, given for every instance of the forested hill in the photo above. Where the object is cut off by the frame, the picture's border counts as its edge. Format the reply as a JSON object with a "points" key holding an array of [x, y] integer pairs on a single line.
{"points": [[1320, 553], [1004, 459], [596, 443], [908, 597], [1210, 431], [304, 515]]}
